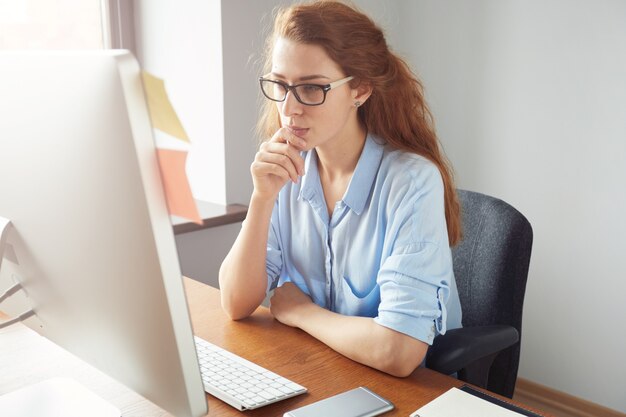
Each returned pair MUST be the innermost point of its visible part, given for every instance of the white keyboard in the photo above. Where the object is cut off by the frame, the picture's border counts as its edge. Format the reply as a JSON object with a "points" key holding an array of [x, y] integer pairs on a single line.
{"points": [[239, 382]]}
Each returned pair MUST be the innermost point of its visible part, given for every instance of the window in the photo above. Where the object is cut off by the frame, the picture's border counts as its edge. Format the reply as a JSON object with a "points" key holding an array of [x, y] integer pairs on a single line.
{"points": [[182, 45], [51, 24]]}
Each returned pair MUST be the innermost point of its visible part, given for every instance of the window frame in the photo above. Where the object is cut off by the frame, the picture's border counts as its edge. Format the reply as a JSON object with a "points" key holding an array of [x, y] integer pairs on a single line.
{"points": [[118, 30]]}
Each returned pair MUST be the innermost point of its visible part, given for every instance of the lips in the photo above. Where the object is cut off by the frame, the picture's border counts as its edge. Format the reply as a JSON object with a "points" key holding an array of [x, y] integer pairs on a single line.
{"points": [[298, 131]]}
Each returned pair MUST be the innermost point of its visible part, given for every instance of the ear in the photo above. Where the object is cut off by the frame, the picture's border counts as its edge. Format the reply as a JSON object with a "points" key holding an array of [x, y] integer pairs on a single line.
{"points": [[362, 92]]}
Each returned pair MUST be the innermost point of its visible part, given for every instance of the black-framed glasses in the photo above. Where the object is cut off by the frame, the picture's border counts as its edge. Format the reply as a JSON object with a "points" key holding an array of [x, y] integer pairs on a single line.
{"points": [[307, 94]]}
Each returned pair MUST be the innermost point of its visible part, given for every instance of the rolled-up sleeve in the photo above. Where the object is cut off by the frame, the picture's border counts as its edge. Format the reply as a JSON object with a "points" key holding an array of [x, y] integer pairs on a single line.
{"points": [[416, 275], [273, 259], [414, 289]]}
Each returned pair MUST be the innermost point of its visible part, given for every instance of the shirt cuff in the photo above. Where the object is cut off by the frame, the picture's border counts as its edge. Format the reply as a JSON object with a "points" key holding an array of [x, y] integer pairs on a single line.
{"points": [[423, 326]]}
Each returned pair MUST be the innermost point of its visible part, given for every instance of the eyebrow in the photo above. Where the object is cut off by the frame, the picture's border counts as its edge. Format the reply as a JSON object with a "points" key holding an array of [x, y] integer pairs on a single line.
{"points": [[305, 78]]}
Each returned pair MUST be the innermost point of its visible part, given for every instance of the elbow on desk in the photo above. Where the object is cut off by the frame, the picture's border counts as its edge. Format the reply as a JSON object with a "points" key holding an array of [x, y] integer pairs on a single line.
{"points": [[230, 301], [232, 310], [400, 360], [237, 302], [238, 307], [233, 315], [399, 366]]}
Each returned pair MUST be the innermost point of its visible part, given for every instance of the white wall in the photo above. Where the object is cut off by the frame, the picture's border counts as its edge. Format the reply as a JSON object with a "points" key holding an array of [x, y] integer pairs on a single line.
{"points": [[244, 24], [530, 103], [181, 42]]}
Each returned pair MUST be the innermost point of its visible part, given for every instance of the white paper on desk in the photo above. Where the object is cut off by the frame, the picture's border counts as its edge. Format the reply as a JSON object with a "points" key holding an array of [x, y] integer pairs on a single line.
{"points": [[455, 403]]}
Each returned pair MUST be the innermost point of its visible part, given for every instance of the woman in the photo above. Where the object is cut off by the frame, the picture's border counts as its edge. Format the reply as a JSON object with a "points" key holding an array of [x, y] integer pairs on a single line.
{"points": [[354, 208]]}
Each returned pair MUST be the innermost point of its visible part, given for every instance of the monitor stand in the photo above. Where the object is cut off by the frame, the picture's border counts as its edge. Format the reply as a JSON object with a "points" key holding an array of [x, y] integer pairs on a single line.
{"points": [[6, 251], [53, 397], [5, 225], [56, 397]]}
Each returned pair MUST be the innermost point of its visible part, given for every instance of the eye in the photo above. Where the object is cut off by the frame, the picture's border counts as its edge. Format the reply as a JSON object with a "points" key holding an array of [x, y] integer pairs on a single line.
{"points": [[310, 88], [280, 85]]}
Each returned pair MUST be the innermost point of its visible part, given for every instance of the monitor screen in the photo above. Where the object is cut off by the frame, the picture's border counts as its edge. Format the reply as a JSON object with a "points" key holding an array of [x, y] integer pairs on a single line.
{"points": [[91, 241]]}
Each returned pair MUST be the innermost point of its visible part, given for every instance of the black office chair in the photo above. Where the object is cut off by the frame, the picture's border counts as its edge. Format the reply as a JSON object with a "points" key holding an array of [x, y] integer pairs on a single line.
{"points": [[491, 268]]}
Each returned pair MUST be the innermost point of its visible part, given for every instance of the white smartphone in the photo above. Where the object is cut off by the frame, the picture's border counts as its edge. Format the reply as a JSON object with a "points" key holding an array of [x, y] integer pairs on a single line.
{"points": [[359, 402]]}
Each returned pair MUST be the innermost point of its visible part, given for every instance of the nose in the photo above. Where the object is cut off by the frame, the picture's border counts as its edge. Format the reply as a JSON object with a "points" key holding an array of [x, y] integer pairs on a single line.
{"points": [[291, 106]]}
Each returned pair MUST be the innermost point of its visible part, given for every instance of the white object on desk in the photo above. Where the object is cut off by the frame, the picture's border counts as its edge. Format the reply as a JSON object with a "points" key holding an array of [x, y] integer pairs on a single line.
{"points": [[455, 402], [239, 382], [55, 397], [27, 358]]}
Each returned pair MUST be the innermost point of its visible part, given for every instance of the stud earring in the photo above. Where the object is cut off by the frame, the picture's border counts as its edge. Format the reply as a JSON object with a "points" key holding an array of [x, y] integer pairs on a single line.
{"points": [[357, 103]]}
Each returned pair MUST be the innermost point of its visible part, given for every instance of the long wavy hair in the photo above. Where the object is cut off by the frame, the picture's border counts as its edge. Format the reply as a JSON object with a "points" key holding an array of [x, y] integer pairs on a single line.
{"points": [[396, 110]]}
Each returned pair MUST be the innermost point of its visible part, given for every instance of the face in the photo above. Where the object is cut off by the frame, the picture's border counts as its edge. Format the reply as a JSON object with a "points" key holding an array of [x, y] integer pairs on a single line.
{"points": [[335, 119]]}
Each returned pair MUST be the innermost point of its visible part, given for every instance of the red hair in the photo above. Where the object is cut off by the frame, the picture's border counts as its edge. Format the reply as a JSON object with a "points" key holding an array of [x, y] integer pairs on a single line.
{"points": [[396, 110]]}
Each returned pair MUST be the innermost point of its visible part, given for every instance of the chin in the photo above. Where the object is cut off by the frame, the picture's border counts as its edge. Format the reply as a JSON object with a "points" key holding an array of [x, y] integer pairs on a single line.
{"points": [[308, 147]]}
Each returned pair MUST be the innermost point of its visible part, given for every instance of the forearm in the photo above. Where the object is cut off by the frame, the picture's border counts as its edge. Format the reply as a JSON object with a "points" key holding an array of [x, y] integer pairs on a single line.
{"points": [[242, 276], [363, 340]]}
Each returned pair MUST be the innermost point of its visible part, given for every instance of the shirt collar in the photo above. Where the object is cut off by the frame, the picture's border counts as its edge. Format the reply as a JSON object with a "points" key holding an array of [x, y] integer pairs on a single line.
{"points": [[364, 174], [311, 178], [362, 180]]}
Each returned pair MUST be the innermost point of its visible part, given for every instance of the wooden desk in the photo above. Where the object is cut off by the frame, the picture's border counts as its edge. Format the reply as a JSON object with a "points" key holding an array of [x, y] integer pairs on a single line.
{"points": [[27, 358], [294, 354]]}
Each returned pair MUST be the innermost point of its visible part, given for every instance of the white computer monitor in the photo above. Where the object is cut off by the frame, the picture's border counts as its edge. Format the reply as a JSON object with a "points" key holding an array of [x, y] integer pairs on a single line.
{"points": [[91, 241]]}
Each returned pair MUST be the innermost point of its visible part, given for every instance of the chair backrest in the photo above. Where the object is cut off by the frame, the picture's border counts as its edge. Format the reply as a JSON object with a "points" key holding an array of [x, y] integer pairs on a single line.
{"points": [[491, 267]]}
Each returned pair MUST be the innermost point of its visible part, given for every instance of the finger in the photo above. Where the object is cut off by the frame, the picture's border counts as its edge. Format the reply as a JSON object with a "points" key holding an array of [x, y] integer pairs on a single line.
{"points": [[285, 142], [285, 135], [288, 150], [281, 160], [260, 168]]}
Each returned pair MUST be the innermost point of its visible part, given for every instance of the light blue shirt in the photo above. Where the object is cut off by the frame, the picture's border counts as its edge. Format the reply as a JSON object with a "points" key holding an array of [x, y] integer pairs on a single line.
{"points": [[383, 253]]}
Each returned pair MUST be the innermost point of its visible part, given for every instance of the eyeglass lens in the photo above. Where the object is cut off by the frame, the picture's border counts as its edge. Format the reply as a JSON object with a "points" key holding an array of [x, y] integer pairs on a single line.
{"points": [[307, 93]]}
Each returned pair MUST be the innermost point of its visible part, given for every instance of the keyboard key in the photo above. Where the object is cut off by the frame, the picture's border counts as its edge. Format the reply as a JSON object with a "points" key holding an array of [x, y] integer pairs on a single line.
{"points": [[266, 395], [294, 387], [285, 390]]}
